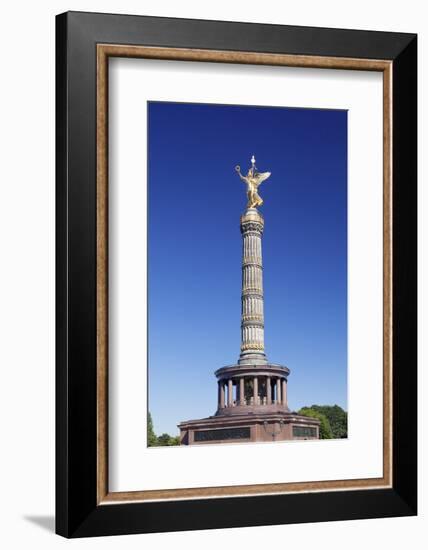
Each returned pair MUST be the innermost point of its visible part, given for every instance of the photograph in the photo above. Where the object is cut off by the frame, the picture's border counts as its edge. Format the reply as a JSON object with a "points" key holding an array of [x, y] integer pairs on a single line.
{"points": [[247, 273]]}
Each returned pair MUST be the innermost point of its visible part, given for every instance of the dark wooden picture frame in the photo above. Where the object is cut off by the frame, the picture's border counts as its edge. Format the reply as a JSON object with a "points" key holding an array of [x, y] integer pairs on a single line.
{"points": [[84, 505]]}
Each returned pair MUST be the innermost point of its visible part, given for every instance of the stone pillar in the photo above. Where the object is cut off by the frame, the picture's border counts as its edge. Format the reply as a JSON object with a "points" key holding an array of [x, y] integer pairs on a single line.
{"points": [[221, 385], [230, 393], [241, 391], [284, 392], [269, 390], [255, 389], [278, 391], [252, 317]]}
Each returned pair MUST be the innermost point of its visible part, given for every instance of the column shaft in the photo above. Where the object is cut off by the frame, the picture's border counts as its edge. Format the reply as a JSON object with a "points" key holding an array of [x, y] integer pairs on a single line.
{"points": [[268, 390], [241, 391], [278, 391], [284, 392], [230, 393], [221, 384], [252, 321], [255, 389]]}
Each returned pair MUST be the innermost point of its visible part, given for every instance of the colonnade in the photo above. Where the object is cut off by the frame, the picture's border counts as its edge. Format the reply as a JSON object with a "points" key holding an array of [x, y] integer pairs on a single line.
{"points": [[265, 390]]}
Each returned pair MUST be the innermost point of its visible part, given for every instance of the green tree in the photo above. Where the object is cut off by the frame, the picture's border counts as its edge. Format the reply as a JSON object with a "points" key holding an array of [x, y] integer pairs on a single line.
{"points": [[175, 440], [337, 417], [164, 440], [325, 429], [152, 440]]}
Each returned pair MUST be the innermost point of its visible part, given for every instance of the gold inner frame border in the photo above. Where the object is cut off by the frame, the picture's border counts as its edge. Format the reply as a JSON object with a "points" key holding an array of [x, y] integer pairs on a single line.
{"points": [[104, 52]]}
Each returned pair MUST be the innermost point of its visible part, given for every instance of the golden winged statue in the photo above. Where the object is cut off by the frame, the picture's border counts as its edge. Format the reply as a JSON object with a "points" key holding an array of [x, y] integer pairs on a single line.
{"points": [[253, 179]]}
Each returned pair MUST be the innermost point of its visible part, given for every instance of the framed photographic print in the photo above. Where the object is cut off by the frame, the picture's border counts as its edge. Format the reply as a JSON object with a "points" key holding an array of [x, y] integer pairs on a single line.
{"points": [[236, 274]]}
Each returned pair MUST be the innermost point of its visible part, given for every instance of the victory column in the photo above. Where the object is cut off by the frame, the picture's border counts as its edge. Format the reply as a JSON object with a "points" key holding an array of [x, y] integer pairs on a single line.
{"points": [[252, 394]]}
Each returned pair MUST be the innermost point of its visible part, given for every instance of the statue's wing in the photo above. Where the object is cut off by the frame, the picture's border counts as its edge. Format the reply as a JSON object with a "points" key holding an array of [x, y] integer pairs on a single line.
{"points": [[262, 176]]}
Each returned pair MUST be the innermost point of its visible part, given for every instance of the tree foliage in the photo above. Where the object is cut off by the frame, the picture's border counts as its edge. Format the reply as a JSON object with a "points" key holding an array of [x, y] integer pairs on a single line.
{"points": [[151, 436], [337, 417], [325, 429], [164, 440]]}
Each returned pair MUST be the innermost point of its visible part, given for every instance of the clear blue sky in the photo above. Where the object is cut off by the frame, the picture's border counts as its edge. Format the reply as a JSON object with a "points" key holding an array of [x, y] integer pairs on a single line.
{"points": [[195, 202]]}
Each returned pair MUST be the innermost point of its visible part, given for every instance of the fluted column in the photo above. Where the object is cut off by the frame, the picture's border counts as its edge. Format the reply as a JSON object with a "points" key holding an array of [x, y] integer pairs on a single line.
{"points": [[252, 317], [268, 390], [255, 389], [284, 392], [230, 393], [278, 391], [221, 385], [241, 390]]}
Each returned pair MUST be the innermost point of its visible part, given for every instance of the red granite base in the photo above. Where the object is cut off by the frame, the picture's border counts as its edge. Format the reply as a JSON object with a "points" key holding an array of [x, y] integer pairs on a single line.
{"points": [[246, 428]]}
